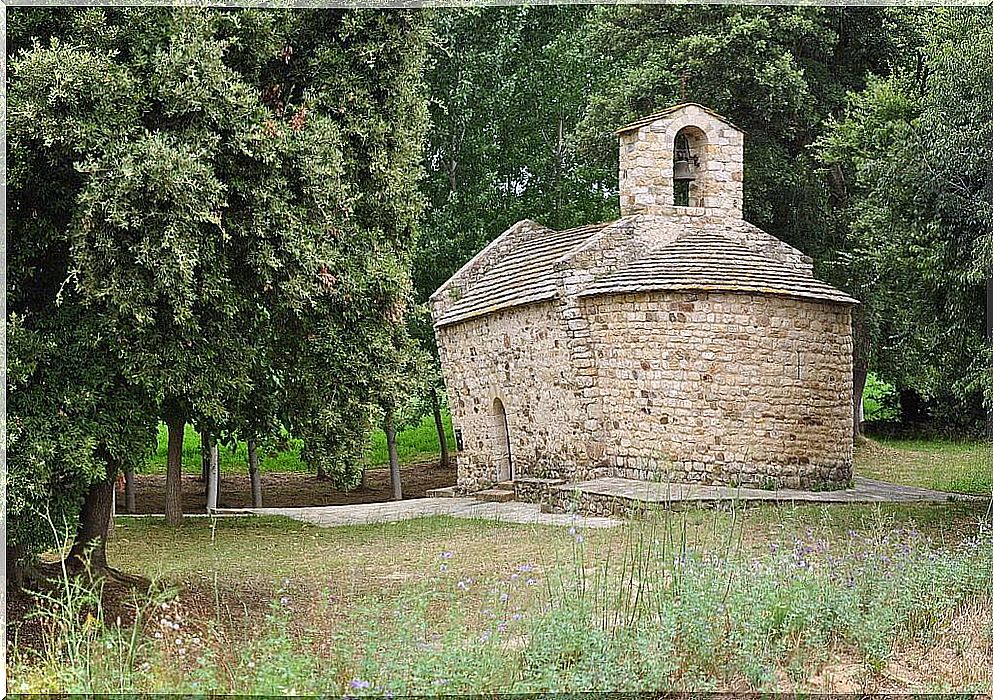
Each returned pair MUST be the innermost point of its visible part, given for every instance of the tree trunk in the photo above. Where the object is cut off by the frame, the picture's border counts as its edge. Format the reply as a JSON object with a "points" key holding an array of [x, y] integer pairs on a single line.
{"points": [[204, 456], [391, 445], [113, 511], [989, 341], [253, 474], [213, 476], [174, 472], [440, 427], [17, 567], [129, 498], [858, 387], [90, 542]]}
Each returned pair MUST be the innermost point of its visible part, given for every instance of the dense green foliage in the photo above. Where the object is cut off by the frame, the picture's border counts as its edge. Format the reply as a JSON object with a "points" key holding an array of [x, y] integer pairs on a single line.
{"points": [[916, 148], [212, 214]]}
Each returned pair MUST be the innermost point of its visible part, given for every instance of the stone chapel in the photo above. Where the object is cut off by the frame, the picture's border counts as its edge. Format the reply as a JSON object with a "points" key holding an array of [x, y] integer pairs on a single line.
{"points": [[677, 343]]}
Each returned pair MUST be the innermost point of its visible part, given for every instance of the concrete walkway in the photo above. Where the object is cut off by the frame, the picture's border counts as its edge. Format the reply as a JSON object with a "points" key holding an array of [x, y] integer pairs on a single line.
{"points": [[864, 491], [369, 513]]}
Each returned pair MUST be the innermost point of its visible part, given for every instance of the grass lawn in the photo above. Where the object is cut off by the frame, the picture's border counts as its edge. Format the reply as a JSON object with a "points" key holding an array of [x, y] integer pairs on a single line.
{"points": [[813, 598], [417, 443], [946, 465]]}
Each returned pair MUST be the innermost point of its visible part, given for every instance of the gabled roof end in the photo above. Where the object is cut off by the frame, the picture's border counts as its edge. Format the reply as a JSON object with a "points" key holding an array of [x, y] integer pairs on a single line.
{"points": [[638, 123]]}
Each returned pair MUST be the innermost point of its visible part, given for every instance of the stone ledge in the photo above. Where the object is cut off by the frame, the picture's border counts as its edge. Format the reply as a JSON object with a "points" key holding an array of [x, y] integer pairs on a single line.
{"points": [[530, 489], [630, 498]]}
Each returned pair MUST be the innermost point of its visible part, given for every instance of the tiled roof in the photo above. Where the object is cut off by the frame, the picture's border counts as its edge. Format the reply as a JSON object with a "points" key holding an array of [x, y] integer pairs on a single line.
{"points": [[703, 260], [643, 121], [523, 275]]}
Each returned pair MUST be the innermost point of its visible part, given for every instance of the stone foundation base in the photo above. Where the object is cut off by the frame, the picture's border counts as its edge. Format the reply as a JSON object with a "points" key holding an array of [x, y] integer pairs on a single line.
{"points": [[772, 476]]}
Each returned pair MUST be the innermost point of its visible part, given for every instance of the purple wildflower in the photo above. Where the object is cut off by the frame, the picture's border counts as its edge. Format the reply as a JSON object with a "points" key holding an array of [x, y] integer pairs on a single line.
{"points": [[359, 684]]}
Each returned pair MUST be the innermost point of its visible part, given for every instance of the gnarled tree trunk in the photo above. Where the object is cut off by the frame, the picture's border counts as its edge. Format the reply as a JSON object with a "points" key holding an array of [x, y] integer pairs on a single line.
{"points": [[174, 472], [90, 541]]}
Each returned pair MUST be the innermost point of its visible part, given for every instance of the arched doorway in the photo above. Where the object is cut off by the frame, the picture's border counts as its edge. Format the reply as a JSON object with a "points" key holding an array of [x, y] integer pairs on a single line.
{"points": [[501, 442]]}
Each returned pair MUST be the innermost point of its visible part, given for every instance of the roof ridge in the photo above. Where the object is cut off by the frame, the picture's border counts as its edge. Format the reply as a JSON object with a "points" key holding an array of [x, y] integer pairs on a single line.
{"points": [[648, 119]]}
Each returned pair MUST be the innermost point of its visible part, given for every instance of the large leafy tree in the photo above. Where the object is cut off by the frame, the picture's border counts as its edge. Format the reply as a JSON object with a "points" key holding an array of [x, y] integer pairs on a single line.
{"points": [[205, 205], [916, 151]]}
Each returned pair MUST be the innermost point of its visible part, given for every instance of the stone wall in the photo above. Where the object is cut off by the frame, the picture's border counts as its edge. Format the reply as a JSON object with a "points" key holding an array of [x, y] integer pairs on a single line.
{"points": [[522, 357], [724, 388], [646, 158]]}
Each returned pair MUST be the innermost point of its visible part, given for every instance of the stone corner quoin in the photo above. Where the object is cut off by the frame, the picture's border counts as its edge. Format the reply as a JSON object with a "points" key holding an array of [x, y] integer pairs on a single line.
{"points": [[678, 343]]}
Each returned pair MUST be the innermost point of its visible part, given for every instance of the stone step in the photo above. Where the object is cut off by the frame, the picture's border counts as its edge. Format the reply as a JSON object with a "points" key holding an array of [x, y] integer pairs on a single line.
{"points": [[444, 492], [495, 495], [505, 485]]}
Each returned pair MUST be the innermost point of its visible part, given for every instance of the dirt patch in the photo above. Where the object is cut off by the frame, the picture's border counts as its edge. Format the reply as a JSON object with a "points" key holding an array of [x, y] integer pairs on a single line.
{"points": [[288, 490], [119, 604]]}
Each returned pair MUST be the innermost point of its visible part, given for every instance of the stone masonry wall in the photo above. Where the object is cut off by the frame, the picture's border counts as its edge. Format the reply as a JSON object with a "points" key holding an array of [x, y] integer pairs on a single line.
{"points": [[724, 388], [522, 357], [646, 159]]}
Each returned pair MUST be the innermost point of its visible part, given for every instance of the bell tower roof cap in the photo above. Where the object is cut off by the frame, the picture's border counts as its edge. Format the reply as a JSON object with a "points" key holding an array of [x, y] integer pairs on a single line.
{"points": [[644, 121]]}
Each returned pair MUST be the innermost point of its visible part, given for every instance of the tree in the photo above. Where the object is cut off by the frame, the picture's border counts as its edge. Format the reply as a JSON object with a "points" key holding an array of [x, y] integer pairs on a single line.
{"points": [[189, 186], [916, 150]]}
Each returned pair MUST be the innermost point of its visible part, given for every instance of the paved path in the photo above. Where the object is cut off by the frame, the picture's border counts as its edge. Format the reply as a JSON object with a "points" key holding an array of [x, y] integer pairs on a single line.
{"points": [[368, 513], [864, 491]]}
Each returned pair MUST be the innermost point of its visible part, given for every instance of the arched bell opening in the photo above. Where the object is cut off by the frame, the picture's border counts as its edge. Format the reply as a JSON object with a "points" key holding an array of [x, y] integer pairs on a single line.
{"points": [[689, 167]]}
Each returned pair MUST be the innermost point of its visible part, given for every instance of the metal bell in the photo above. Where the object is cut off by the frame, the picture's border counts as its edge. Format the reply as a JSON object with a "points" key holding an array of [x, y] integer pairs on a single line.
{"points": [[682, 171]]}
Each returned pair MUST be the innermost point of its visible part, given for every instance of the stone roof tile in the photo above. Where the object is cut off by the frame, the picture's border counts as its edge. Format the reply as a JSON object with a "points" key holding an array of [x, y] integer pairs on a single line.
{"points": [[703, 260], [524, 275]]}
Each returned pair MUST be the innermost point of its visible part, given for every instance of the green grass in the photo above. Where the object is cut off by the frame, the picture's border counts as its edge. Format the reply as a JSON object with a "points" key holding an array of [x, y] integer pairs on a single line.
{"points": [[416, 443], [759, 598], [959, 466]]}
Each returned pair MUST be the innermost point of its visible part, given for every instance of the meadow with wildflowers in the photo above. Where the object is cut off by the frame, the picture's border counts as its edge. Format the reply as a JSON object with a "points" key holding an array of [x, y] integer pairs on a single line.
{"points": [[815, 598]]}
